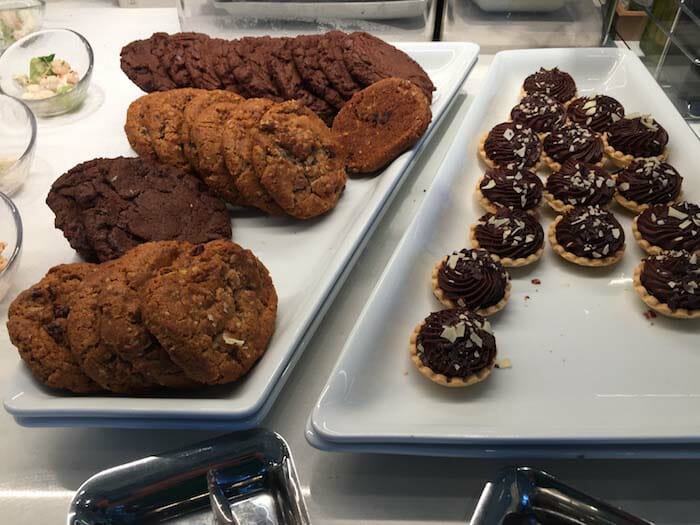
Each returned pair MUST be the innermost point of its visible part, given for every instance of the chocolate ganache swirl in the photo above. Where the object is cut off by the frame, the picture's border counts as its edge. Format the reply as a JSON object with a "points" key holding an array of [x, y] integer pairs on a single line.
{"points": [[553, 82], [597, 112], [648, 181], [674, 227], [509, 233], [581, 184], [472, 279], [512, 187], [574, 142], [590, 232], [639, 136], [512, 143], [673, 278], [456, 343], [539, 112]]}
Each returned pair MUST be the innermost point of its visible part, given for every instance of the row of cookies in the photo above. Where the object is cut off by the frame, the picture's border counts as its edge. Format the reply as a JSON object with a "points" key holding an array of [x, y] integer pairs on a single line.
{"points": [[323, 71], [167, 314]]}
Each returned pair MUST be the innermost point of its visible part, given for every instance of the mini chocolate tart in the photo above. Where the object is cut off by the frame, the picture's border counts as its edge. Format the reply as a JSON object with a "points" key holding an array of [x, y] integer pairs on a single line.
{"points": [[553, 82], [597, 112], [511, 143], [670, 283], [646, 182], [634, 138], [512, 237], [674, 227], [471, 279], [579, 184], [516, 188], [572, 141], [539, 112], [454, 348], [588, 236]]}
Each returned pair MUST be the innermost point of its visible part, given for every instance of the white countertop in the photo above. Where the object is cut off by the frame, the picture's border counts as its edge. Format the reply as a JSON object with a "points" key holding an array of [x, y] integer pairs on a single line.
{"points": [[42, 467]]}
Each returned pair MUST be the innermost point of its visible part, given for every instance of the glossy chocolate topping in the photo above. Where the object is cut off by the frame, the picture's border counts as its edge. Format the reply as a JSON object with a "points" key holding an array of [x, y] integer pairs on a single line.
{"points": [[472, 279], [517, 188], [581, 184], [673, 278], [509, 233], [590, 232], [539, 112], [574, 142], [597, 112], [649, 182], [456, 343], [512, 143], [639, 136], [557, 84], [675, 227]]}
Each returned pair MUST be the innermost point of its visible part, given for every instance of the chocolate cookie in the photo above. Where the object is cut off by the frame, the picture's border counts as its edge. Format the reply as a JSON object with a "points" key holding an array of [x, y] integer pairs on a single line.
{"points": [[296, 157], [178, 49], [214, 311], [238, 145], [201, 60], [105, 207], [645, 182], [370, 59], [668, 227], [330, 50], [579, 184], [207, 138], [512, 237], [597, 112], [635, 137], [539, 112], [454, 348], [306, 55], [164, 123], [143, 62], [37, 327], [252, 73], [381, 122], [511, 144], [192, 111], [572, 142], [137, 132], [553, 82], [517, 188], [105, 328]]}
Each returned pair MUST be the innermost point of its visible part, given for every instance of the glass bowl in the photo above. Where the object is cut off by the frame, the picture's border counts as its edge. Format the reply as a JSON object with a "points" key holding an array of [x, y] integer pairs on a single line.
{"points": [[19, 18], [11, 235], [17, 143], [65, 44]]}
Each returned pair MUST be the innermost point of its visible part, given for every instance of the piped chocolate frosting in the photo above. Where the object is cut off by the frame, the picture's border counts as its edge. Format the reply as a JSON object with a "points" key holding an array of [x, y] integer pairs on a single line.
{"points": [[639, 136], [512, 187], [472, 279], [539, 112], [674, 227], [553, 82], [590, 232], [648, 181], [673, 277], [597, 112], [574, 142], [581, 184], [509, 233], [512, 143]]}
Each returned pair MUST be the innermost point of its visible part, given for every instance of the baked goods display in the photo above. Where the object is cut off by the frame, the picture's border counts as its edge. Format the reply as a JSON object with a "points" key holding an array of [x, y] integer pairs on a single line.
{"points": [[635, 137], [512, 237], [579, 183], [646, 182], [668, 227], [669, 283], [454, 348], [597, 112], [511, 187], [471, 279], [572, 142], [555, 83], [321, 71], [105, 207], [167, 314]]}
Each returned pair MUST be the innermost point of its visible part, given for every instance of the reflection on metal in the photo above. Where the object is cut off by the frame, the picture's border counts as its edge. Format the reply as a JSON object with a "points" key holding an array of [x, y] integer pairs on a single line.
{"points": [[246, 478], [523, 495]]}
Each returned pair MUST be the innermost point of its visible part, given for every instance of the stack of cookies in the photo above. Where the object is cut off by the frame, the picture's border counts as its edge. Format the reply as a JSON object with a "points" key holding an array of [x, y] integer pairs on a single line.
{"points": [[322, 71], [167, 314]]}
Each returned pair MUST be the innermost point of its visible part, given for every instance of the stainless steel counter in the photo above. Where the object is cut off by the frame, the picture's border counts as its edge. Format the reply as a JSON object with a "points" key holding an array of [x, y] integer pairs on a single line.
{"points": [[42, 467]]}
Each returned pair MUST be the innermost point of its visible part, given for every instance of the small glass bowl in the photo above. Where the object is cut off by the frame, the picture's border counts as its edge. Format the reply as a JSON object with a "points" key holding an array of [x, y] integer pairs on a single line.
{"points": [[11, 235], [66, 45], [17, 143], [19, 18]]}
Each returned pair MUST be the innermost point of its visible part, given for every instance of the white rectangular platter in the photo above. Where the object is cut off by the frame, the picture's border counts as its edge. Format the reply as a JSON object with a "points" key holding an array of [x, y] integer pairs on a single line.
{"points": [[307, 260], [587, 366]]}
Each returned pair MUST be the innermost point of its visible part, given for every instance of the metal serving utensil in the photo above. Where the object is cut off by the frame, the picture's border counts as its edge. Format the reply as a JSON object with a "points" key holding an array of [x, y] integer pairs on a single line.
{"points": [[526, 496], [245, 478]]}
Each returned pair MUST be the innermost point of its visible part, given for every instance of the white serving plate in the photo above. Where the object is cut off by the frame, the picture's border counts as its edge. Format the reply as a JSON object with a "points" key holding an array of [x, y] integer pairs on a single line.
{"points": [[588, 367], [307, 261]]}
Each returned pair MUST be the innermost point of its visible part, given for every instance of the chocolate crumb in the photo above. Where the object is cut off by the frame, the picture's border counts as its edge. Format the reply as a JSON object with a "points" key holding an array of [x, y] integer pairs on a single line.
{"points": [[536, 281], [650, 314], [527, 297]]}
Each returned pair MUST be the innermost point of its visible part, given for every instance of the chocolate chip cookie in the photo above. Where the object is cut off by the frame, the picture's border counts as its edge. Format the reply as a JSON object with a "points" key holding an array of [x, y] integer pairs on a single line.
{"points": [[296, 157], [105, 328], [213, 311], [381, 122], [37, 327], [107, 206], [137, 132]]}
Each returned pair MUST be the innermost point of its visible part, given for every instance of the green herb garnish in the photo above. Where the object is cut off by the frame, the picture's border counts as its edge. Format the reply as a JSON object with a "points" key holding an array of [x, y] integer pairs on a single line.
{"points": [[40, 67]]}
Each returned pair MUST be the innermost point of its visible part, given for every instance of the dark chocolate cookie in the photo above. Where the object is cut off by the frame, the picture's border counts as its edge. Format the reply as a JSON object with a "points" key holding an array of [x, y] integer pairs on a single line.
{"points": [[37, 327], [107, 206], [174, 58], [252, 73], [214, 311], [143, 62], [305, 51], [330, 49]]}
